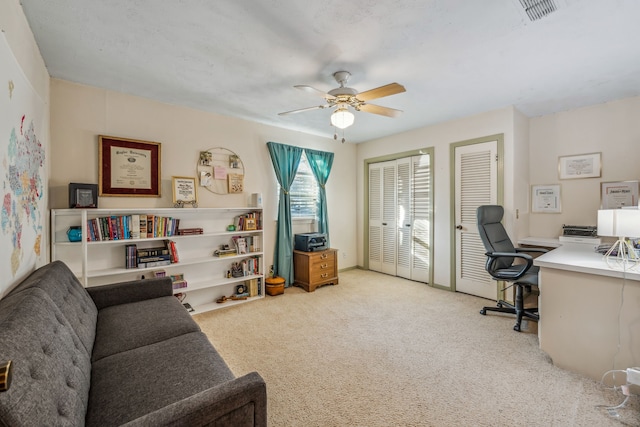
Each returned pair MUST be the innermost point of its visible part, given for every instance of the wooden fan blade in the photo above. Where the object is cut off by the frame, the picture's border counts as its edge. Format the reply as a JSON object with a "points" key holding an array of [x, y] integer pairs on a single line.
{"points": [[380, 92], [383, 111], [315, 91], [301, 110]]}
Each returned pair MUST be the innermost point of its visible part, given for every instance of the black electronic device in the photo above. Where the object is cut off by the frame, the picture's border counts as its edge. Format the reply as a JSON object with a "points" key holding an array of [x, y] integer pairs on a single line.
{"points": [[310, 242], [579, 230]]}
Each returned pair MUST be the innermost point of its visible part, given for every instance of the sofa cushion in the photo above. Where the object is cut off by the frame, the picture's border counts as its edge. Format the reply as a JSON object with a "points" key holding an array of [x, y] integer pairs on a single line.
{"points": [[68, 294], [52, 367], [130, 384], [145, 322]]}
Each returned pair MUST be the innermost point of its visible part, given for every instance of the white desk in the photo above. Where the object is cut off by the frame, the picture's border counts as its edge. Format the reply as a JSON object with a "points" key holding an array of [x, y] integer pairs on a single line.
{"points": [[581, 317]]}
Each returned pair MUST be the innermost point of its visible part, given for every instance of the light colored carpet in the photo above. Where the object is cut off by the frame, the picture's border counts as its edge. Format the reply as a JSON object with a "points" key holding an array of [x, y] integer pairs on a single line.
{"points": [[377, 350]]}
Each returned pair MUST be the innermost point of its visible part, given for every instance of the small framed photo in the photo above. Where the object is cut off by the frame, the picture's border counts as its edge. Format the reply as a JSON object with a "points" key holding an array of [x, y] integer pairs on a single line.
{"points": [[617, 195], [250, 224], [83, 195], [184, 191], [546, 199], [580, 166]]}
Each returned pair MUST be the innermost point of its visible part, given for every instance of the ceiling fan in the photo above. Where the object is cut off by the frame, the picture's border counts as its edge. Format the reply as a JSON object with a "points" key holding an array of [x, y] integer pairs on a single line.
{"points": [[344, 97]]}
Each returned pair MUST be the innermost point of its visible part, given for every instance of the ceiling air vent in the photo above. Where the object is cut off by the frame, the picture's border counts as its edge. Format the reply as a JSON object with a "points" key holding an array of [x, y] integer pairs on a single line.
{"points": [[537, 9]]}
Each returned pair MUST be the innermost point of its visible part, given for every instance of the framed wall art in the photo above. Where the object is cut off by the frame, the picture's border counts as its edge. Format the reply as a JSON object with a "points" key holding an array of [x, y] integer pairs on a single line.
{"points": [[621, 194], [546, 199], [129, 167], [184, 191], [579, 166]]}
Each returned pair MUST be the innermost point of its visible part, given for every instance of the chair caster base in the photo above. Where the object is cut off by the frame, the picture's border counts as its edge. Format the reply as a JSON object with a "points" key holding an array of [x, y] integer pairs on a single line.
{"points": [[483, 312], [516, 327]]}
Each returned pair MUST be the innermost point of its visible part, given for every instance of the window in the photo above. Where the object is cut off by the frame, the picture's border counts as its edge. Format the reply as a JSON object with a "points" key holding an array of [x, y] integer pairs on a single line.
{"points": [[304, 191]]}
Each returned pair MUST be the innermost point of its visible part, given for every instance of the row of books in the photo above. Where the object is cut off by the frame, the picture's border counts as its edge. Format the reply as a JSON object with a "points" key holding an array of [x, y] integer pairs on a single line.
{"points": [[250, 221], [246, 267], [246, 244], [151, 257], [254, 287], [177, 280], [136, 226]]}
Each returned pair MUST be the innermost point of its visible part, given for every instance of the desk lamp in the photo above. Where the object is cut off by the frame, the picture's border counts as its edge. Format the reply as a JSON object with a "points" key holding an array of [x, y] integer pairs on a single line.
{"points": [[620, 223]]}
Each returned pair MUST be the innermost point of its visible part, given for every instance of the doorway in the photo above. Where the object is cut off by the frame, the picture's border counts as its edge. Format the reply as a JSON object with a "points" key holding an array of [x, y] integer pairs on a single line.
{"points": [[476, 181], [399, 203]]}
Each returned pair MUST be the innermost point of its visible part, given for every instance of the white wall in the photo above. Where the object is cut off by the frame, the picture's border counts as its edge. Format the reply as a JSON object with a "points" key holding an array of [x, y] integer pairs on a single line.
{"points": [[612, 129], [80, 113], [440, 137], [13, 25]]}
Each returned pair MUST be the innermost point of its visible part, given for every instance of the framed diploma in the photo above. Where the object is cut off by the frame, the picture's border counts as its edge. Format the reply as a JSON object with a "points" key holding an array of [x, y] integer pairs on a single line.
{"points": [[545, 199], [580, 166], [129, 167], [621, 194], [184, 191]]}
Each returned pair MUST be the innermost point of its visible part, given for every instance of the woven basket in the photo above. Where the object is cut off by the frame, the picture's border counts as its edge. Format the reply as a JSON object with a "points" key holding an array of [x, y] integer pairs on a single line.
{"points": [[274, 285]]}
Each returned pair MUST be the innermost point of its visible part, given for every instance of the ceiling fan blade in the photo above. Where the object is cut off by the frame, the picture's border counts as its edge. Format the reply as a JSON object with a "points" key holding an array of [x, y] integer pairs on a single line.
{"points": [[380, 92], [315, 91], [383, 111], [301, 110]]}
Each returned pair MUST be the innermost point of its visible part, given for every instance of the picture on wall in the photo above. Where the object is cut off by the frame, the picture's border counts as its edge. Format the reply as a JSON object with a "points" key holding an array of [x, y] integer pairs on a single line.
{"points": [[621, 194], [579, 166], [129, 167]]}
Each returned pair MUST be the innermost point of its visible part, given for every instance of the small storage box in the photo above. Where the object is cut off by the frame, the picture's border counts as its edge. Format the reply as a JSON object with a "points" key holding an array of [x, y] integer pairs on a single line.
{"points": [[275, 285]]}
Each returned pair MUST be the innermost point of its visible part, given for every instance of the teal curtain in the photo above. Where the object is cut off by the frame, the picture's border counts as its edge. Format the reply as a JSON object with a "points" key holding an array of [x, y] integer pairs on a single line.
{"points": [[285, 159], [320, 163]]}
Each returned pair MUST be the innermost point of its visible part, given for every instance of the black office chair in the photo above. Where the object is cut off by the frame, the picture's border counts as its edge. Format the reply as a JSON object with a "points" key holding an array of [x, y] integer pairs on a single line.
{"points": [[501, 255]]}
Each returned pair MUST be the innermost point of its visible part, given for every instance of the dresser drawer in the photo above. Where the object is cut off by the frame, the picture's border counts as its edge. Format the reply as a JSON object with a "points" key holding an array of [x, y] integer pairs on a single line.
{"points": [[313, 269]]}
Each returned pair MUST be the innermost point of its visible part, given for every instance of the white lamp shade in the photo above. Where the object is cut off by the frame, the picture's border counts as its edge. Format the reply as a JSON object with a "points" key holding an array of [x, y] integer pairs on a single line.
{"points": [[342, 118], [619, 222]]}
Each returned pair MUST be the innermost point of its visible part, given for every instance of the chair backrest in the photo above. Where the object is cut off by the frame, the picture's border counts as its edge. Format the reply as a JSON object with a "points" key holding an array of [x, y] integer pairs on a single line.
{"points": [[493, 235]]}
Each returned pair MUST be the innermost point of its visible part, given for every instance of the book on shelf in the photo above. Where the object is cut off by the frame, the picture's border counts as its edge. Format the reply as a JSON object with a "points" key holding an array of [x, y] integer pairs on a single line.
{"points": [[225, 252], [178, 281], [130, 251], [173, 250], [160, 273], [189, 231], [153, 264], [252, 286]]}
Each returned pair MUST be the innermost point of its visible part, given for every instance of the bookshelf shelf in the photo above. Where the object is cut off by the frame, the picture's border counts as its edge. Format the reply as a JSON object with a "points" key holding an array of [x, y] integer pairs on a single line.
{"points": [[97, 262]]}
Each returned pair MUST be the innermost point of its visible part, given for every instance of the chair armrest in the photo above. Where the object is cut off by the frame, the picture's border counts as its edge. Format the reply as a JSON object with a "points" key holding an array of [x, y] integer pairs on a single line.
{"points": [[132, 291], [242, 401], [504, 274], [532, 250]]}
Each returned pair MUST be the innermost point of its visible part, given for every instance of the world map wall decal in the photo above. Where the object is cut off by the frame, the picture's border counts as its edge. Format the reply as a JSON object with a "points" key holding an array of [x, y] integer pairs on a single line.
{"points": [[23, 172]]}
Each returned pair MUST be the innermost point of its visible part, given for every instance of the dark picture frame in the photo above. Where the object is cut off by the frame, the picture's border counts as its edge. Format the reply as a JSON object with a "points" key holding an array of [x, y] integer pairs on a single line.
{"points": [[83, 195], [129, 167]]}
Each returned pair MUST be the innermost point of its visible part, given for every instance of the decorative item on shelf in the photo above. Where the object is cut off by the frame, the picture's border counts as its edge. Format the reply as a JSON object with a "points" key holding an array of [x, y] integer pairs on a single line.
{"points": [[231, 227], [74, 233], [275, 285], [236, 270], [240, 289], [83, 195], [184, 191]]}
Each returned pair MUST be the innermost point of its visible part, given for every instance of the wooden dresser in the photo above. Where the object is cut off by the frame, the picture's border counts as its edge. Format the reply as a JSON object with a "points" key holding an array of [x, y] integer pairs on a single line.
{"points": [[313, 269]]}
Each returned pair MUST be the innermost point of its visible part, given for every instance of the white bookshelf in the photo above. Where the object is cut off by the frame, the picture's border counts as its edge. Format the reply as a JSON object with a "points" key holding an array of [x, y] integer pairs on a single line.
{"points": [[102, 262]]}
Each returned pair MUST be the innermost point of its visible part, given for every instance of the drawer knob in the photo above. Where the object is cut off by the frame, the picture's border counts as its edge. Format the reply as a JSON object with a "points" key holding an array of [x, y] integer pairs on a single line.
{"points": [[324, 265], [323, 256]]}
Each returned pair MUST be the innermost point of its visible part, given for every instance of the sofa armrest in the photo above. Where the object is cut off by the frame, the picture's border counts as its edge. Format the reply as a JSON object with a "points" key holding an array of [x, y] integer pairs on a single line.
{"points": [[133, 291], [240, 402]]}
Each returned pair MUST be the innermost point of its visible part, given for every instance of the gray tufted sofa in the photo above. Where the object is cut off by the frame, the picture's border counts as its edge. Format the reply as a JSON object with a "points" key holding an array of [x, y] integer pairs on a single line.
{"points": [[121, 354]]}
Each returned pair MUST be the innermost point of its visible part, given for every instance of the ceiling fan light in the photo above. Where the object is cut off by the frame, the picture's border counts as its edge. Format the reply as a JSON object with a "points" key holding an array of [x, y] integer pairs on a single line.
{"points": [[342, 118]]}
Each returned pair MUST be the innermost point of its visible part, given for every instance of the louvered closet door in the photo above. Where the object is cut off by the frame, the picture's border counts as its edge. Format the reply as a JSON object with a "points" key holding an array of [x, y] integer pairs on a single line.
{"points": [[399, 217], [389, 218], [476, 176], [421, 213], [404, 217], [375, 217]]}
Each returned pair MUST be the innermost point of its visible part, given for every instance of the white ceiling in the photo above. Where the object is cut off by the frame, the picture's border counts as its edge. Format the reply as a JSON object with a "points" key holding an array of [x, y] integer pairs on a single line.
{"points": [[242, 57]]}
